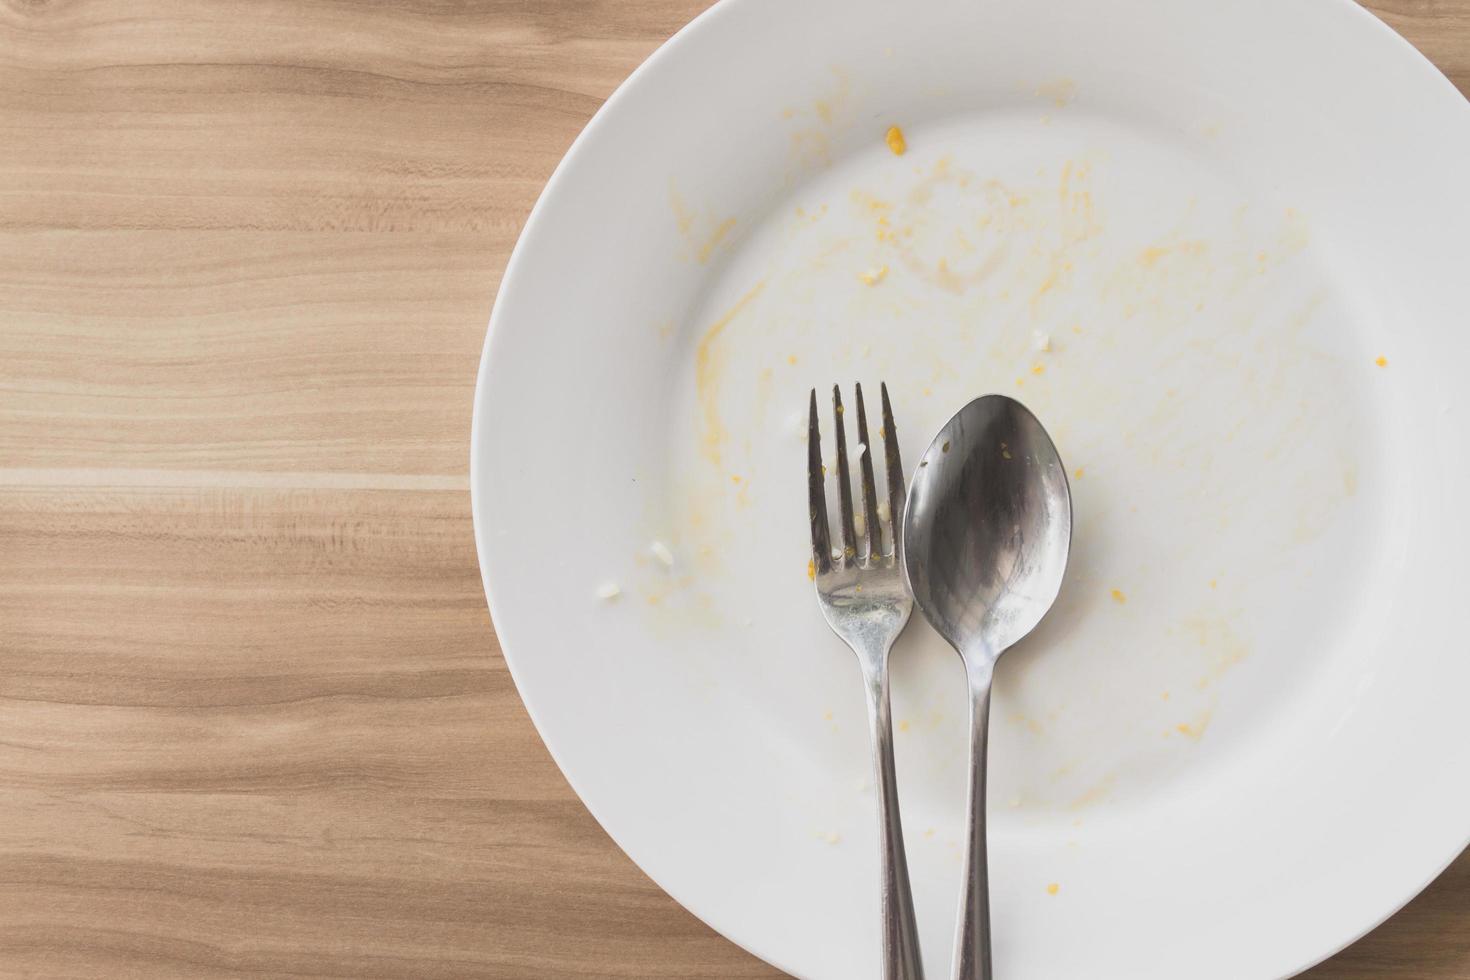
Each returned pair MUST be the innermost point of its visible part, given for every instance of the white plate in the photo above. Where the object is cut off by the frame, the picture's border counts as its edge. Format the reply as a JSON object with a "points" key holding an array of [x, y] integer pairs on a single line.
{"points": [[1221, 216]]}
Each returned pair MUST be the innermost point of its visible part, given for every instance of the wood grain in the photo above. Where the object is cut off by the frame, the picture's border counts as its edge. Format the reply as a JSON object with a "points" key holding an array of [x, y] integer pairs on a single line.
{"points": [[253, 721]]}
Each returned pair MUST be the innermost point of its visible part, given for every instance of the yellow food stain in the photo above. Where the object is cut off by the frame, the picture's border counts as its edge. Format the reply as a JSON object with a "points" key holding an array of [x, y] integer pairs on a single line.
{"points": [[736, 480], [894, 139], [1164, 696], [1053, 888], [716, 236], [1062, 91], [791, 359], [1381, 361], [1223, 647], [707, 370], [826, 716], [811, 569], [1195, 729], [1150, 256], [1020, 382], [1077, 473], [945, 278], [929, 833], [903, 725], [1038, 368], [1119, 597], [1095, 793], [1214, 583], [874, 276], [683, 217]]}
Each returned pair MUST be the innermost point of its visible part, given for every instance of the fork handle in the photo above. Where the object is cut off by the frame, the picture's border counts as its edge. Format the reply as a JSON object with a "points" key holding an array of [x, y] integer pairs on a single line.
{"points": [[972, 934], [901, 957]]}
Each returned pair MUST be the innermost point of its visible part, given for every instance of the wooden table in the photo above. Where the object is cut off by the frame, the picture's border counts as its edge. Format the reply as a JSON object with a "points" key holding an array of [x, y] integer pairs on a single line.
{"points": [[253, 720]]}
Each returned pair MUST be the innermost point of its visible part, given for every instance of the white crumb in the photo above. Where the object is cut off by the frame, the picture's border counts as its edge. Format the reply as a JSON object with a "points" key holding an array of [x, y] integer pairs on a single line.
{"points": [[609, 590], [661, 551], [1043, 341], [797, 424], [883, 510], [859, 524]]}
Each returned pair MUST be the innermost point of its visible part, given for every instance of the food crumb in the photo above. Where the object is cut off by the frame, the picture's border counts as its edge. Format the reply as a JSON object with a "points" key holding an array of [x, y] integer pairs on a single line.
{"points": [[894, 139], [811, 569], [1053, 888], [874, 276], [1381, 361], [1038, 368], [791, 359], [1077, 473], [609, 590], [661, 551], [944, 448], [1119, 597], [1043, 341]]}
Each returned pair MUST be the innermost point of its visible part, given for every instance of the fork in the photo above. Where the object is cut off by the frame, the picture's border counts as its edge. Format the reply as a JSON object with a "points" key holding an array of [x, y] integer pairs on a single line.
{"points": [[866, 602]]}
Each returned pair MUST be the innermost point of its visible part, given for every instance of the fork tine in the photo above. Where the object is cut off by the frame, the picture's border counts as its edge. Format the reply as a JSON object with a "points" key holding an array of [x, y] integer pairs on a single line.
{"points": [[894, 466], [844, 481], [817, 493], [865, 469]]}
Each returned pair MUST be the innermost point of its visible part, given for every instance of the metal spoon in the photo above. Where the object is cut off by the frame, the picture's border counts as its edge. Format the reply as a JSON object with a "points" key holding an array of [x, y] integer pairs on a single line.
{"points": [[986, 534]]}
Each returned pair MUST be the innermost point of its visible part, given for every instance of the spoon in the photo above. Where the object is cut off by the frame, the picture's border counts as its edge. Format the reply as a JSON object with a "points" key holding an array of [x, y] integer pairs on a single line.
{"points": [[986, 534]]}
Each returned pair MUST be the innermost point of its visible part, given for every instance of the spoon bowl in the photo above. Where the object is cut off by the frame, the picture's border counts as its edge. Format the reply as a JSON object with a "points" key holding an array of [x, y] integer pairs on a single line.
{"points": [[988, 526]]}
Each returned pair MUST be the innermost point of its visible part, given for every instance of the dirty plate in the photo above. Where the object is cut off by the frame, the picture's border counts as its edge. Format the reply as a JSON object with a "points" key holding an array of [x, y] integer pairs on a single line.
{"points": [[1218, 249]]}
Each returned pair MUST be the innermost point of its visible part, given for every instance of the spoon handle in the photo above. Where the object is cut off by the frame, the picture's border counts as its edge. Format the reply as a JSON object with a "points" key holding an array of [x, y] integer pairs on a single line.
{"points": [[972, 935], [901, 957]]}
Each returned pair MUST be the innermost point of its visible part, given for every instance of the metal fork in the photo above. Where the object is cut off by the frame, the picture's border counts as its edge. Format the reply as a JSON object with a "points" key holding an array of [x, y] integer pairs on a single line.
{"points": [[866, 602]]}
